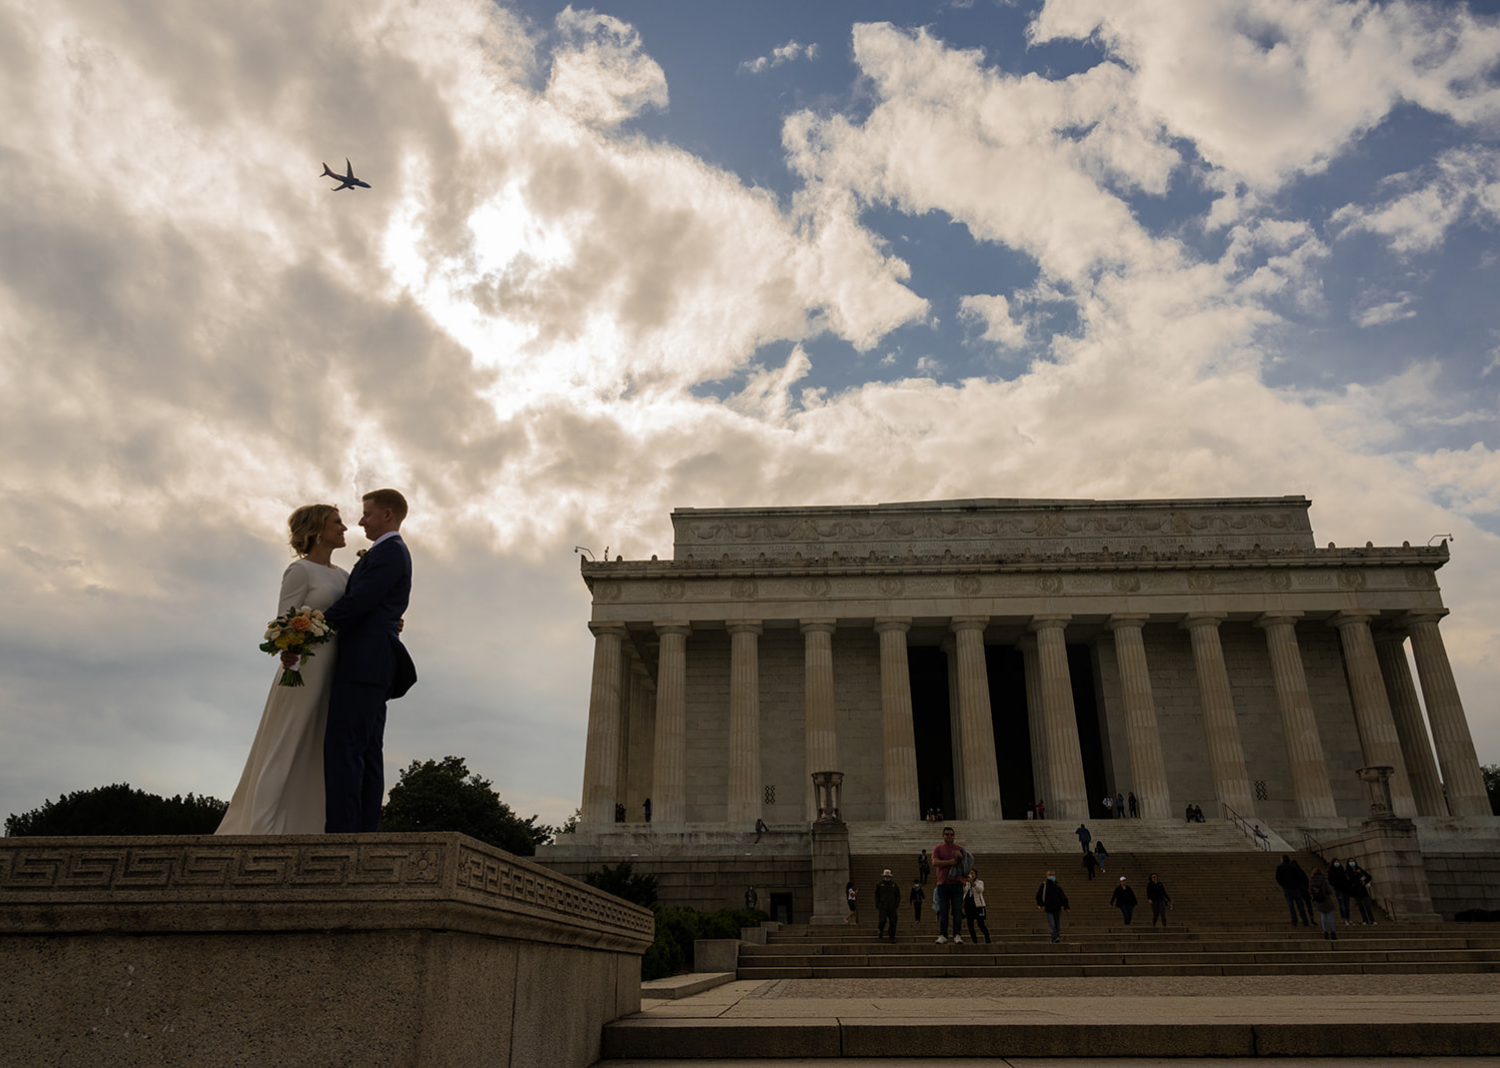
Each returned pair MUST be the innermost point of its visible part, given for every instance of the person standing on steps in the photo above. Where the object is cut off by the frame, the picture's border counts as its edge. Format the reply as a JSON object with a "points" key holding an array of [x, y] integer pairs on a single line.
{"points": [[1359, 890], [974, 910], [1051, 900], [887, 903], [1125, 900], [850, 894], [924, 867], [1085, 836], [1101, 855], [1160, 900], [949, 891], [1321, 892], [1119, 806], [1135, 810], [646, 808], [1338, 878], [918, 898], [1293, 882], [1089, 864]]}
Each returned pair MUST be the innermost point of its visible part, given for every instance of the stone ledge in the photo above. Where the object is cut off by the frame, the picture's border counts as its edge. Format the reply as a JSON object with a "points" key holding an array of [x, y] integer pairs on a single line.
{"points": [[684, 986]]}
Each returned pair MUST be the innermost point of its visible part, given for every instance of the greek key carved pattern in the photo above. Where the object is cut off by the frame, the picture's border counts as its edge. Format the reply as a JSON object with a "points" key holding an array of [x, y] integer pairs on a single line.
{"points": [[483, 873], [229, 866]]}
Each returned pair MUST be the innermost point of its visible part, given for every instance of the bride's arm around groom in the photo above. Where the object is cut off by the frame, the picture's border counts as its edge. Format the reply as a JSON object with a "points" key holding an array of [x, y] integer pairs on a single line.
{"points": [[372, 667]]}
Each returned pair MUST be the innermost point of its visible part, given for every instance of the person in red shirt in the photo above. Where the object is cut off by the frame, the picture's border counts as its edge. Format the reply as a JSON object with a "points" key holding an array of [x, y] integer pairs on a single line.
{"points": [[949, 891]]}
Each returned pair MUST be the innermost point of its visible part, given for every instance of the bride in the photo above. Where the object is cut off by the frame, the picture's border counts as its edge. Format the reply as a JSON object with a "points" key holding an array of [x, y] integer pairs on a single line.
{"points": [[281, 788]]}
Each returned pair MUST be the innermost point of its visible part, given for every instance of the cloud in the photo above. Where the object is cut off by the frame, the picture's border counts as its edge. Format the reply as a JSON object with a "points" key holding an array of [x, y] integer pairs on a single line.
{"points": [[1462, 185], [1275, 88], [993, 314], [600, 75], [780, 54], [1389, 311]]}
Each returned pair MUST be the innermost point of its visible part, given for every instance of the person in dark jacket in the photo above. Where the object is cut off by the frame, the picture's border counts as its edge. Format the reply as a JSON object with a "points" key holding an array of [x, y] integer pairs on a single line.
{"points": [[918, 897], [1051, 900], [1321, 892], [1338, 878], [1089, 864], [1160, 900], [1085, 836], [1359, 890], [887, 903], [1124, 899], [974, 910], [1293, 882]]}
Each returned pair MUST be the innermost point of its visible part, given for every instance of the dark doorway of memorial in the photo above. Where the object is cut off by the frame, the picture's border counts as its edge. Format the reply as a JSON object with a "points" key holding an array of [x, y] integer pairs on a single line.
{"points": [[1090, 740], [928, 668], [781, 907]]}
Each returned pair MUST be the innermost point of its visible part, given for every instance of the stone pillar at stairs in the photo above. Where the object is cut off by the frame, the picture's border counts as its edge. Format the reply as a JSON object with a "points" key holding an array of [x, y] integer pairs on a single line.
{"points": [[1299, 726], [1148, 771], [1411, 728], [1065, 759], [743, 807], [897, 731], [1221, 730], [1372, 709], [669, 764], [981, 773]]}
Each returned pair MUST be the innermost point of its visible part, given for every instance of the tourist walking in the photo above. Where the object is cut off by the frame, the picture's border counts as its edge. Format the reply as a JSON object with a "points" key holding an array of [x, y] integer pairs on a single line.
{"points": [[850, 895], [1101, 854], [974, 910], [1085, 836], [1293, 882], [948, 893], [1135, 810], [1109, 807], [1159, 899], [1338, 878], [887, 904], [1089, 864], [918, 899], [1359, 890], [924, 867], [1321, 892], [1119, 806], [1125, 900], [1051, 900]]}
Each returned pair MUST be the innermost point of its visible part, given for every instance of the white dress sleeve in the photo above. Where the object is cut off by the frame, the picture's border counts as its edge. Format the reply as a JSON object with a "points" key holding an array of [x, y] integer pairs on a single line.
{"points": [[295, 583]]}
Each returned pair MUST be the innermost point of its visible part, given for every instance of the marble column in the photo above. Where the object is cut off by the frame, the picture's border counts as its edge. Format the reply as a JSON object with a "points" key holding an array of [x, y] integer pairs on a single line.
{"points": [[1411, 728], [601, 754], [1221, 729], [1148, 771], [955, 731], [821, 728], [669, 763], [622, 774], [1070, 799], [1036, 719], [901, 801], [744, 723], [1299, 725], [1462, 781], [1378, 739], [642, 741], [981, 773]]}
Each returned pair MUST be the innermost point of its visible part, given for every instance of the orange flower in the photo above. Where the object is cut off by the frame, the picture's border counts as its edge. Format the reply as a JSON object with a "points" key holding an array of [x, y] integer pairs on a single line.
{"points": [[301, 623]]}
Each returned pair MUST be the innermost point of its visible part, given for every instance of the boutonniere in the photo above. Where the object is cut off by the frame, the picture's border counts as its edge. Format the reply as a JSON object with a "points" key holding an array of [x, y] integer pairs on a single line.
{"points": [[360, 552]]}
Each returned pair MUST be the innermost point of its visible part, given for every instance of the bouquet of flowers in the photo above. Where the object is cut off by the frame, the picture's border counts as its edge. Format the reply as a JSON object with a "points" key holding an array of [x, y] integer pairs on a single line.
{"points": [[296, 632]]}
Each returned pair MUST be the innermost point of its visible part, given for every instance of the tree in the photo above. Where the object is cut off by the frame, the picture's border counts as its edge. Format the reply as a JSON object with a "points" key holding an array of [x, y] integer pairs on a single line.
{"points": [[1491, 773], [118, 810], [443, 795], [623, 882]]}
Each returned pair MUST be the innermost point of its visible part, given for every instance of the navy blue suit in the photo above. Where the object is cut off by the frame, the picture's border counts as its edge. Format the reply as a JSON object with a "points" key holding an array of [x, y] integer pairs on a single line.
{"points": [[371, 663]]}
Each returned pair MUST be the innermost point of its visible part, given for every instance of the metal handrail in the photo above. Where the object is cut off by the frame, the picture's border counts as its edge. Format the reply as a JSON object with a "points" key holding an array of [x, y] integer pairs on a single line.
{"points": [[1313, 846], [1261, 841]]}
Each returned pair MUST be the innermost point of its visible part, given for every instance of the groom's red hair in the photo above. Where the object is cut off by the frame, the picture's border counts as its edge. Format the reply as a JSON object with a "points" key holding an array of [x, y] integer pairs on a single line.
{"points": [[391, 499]]}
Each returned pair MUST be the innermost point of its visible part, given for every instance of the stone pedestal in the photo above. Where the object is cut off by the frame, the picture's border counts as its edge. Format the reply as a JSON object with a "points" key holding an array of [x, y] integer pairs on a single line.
{"points": [[830, 851], [379, 949]]}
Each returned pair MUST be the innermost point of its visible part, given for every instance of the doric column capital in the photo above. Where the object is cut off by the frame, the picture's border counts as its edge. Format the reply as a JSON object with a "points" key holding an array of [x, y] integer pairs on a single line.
{"points": [[962, 623], [1276, 619], [743, 626], [602, 627], [818, 626], [1134, 620], [666, 627], [1054, 621], [1202, 619], [899, 623], [1353, 617], [1431, 615]]}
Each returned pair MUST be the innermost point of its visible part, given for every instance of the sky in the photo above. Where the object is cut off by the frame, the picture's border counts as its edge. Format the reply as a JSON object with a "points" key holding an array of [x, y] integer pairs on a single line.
{"points": [[666, 253]]}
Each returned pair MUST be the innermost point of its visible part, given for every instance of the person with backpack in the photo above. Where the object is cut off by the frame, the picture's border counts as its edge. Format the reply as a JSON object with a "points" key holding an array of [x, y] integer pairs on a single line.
{"points": [[918, 896], [1051, 900], [924, 867], [974, 910], [949, 858]]}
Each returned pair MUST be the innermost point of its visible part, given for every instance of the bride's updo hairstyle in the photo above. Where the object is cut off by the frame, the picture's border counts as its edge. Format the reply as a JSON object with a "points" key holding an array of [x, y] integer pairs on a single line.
{"points": [[306, 523]]}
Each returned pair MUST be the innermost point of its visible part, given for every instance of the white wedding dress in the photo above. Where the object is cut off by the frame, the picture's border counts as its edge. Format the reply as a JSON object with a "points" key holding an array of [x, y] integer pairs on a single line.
{"points": [[281, 788]]}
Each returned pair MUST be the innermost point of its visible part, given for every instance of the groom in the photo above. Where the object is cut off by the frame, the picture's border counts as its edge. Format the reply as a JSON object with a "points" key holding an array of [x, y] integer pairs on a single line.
{"points": [[372, 666]]}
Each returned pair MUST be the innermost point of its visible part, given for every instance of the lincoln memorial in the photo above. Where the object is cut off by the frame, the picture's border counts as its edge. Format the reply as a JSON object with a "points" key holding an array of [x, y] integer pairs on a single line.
{"points": [[976, 656]]}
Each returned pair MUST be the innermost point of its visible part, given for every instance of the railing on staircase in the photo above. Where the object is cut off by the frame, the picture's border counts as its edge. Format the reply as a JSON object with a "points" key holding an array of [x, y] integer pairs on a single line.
{"points": [[1313, 846], [1250, 831]]}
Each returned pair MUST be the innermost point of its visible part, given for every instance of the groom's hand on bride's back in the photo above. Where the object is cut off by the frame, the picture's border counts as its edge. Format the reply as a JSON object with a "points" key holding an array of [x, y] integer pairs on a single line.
{"points": [[400, 624]]}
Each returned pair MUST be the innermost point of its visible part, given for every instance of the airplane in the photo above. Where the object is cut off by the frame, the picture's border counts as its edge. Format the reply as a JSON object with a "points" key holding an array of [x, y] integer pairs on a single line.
{"points": [[348, 179]]}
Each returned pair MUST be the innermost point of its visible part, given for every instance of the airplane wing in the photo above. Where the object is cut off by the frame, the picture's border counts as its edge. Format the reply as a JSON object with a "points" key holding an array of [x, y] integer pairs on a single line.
{"points": [[350, 175]]}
